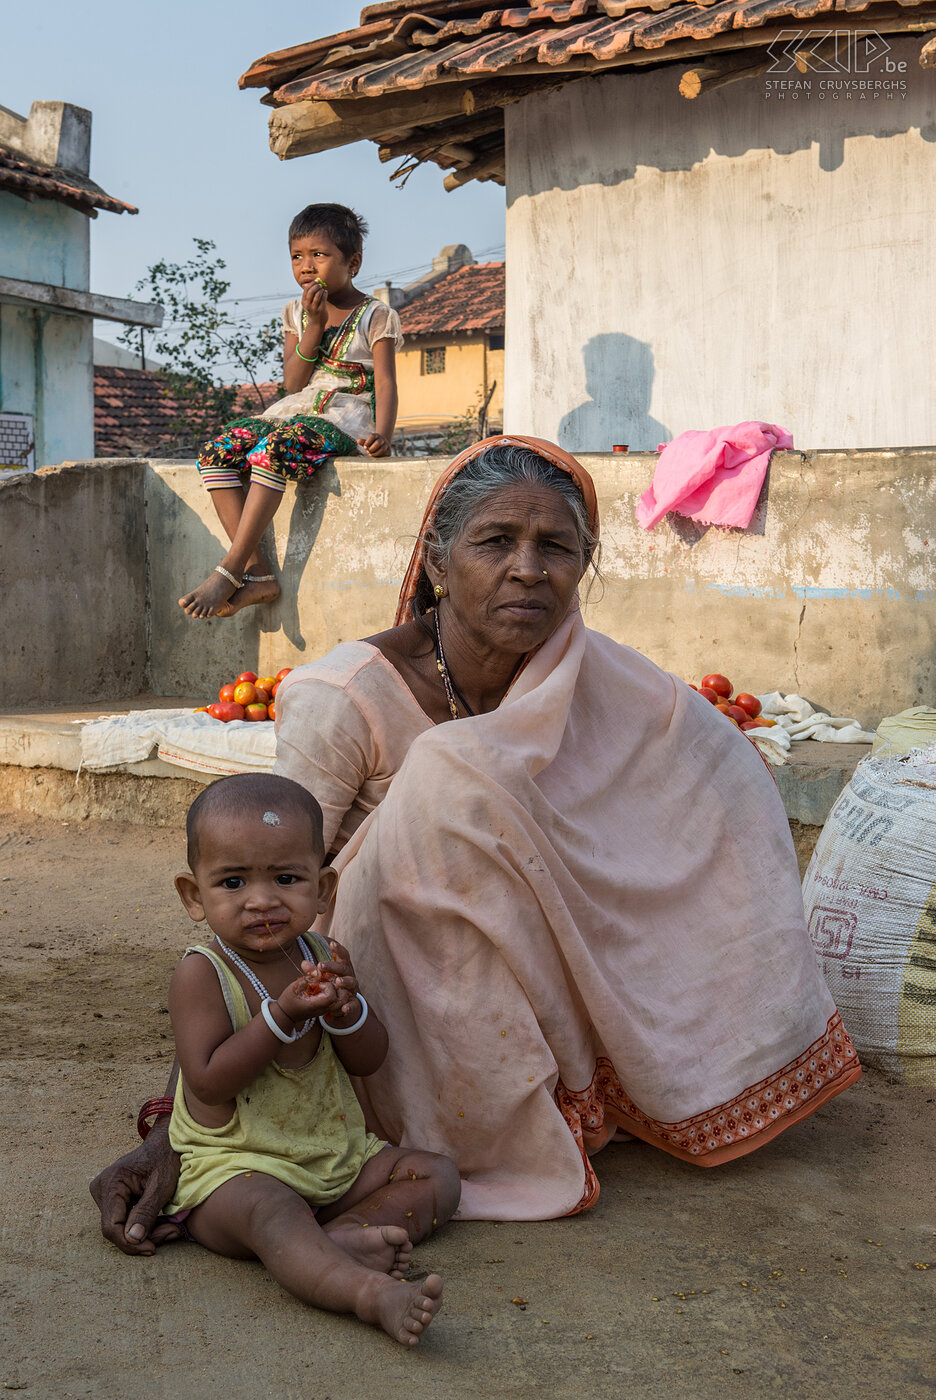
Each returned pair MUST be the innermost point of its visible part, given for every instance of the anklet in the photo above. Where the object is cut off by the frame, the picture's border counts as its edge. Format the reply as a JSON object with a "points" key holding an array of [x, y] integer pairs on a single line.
{"points": [[259, 578], [220, 569]]}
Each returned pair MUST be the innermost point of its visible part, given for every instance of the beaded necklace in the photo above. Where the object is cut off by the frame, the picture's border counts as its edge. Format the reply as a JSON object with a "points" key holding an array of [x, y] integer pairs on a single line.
{"points": [[258, 986], [450, 689]]}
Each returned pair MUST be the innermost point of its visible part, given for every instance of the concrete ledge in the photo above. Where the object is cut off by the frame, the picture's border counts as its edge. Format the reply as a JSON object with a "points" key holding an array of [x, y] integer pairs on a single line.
{"points": [[52, 738]]}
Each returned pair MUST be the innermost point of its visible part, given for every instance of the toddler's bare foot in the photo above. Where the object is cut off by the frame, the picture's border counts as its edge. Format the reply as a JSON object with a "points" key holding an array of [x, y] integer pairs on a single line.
{"points": [[405, 1310], [250, 595], [386, 1248], [209, 598]]}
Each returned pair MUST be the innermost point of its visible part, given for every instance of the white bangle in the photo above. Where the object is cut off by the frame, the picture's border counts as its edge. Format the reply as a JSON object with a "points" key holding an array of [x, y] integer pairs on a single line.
{"points": [[280, 1034], [346, 1030]]}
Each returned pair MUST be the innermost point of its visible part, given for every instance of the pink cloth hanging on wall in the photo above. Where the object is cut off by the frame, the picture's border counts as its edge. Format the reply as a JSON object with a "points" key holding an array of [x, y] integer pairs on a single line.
{"points": [[713, 476]]}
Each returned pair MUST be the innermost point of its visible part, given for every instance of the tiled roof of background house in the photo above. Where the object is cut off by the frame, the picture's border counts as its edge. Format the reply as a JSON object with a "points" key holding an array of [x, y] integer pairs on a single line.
{"points": [[471, 299], [428, 79], [134, 413], [31, 181]]}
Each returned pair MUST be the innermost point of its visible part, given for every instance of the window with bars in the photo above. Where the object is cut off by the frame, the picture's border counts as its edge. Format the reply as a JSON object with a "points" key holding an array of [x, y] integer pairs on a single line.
{"points": [[433, 361]]}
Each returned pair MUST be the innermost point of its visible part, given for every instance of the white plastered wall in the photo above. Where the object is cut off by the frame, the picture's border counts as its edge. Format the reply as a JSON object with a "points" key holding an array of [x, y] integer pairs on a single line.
{"points": [[675, 264]]}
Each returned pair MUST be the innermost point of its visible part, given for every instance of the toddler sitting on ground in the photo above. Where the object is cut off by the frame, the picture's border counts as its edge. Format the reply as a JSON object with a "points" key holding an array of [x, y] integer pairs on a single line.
{"points": [[269, 1023]]}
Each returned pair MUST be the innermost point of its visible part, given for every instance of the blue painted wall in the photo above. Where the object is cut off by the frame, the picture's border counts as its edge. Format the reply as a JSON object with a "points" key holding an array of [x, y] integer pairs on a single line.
{"points": [[47, 360]]}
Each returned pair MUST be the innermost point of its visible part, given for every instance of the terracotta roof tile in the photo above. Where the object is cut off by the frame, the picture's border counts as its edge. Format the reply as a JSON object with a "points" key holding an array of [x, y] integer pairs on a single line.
{"points": [[407, 49], [31, 181], [469, 299], [134, 414]]}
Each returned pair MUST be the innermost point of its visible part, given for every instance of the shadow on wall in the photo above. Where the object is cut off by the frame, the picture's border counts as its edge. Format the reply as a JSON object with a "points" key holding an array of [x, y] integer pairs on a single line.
{"points": [[189, 656], [305, 522], [619, 383]]}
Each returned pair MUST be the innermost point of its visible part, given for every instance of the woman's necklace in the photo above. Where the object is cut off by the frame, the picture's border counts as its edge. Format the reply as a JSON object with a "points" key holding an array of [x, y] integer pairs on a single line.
{"points": [[451, 691], [258, 986]]}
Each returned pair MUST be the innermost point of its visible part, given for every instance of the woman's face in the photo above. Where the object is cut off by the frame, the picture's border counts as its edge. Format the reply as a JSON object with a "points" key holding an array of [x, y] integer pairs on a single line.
{"points": [[512, 573]]}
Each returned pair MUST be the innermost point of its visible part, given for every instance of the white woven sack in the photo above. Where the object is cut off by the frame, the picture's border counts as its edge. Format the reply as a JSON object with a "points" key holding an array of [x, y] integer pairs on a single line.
{"points": [[870, 898]]}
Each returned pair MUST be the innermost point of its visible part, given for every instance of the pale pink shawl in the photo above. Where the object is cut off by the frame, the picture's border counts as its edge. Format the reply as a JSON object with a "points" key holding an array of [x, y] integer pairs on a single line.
{"points": [[581, 912]]}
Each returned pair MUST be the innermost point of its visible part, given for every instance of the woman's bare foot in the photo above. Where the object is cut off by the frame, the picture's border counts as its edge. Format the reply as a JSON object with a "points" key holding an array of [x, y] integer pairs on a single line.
{"points": [[209, 598], [250, 595], [405, 1310], [386, 1248]]}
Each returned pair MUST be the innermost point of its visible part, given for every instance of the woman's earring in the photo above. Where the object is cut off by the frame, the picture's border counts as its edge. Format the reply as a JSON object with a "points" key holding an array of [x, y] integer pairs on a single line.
{"points": [[440, 590]]}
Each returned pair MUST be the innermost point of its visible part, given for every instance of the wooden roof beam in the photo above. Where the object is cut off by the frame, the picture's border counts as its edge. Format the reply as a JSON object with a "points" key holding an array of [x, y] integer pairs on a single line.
{"points": [[716, 72]]}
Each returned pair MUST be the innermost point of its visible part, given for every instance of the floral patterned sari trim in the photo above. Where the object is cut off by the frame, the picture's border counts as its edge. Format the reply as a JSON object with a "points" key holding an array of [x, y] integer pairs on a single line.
{"points": [[728, 1130]]}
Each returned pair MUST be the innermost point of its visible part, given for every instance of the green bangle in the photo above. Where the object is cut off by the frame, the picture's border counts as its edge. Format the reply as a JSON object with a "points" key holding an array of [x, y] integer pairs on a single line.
{"points": [[309, 360]]}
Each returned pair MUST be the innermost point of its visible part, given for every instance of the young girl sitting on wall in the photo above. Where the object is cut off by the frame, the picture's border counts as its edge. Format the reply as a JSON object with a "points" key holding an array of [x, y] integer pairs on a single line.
{"points": [[340, 375]]}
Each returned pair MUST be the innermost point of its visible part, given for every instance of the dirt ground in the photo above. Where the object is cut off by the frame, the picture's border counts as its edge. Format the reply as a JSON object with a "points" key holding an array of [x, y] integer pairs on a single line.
{"points": [[806, 1269]]}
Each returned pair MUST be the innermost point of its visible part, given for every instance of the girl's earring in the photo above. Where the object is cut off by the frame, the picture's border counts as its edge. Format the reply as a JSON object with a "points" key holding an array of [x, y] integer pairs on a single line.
{"points": [[440, 590]]}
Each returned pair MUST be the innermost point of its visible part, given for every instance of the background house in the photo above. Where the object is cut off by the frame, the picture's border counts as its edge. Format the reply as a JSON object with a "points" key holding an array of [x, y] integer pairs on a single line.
{"points": [[715, 211], [451, 369], [46, 309]]}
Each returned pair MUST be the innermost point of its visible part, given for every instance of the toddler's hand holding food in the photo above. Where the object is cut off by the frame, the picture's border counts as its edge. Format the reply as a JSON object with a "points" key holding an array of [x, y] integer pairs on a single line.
{"points": [[312, 994]]}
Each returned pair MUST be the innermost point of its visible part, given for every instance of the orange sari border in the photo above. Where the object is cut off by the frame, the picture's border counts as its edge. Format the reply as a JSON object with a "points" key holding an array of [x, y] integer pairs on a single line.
{"points": [[748, 1121], [559, 458]]}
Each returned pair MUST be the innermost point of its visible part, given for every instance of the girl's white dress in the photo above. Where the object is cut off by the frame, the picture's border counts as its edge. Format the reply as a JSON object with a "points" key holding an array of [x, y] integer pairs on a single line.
{"points": [[342, 385]]}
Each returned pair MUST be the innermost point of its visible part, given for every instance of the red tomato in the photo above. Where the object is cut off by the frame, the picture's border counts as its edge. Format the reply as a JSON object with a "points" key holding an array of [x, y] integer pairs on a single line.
{"points": [[226, 710], [265, 682], [202, 710], [246, 693], [720, 684], [227, 692], [247, 676], [263, 695], [749, 703], [255, 712], [276, 686], [749, 724], [723, 706], [285, 672], [737, 713], [709, 694], [271, 710], [693, 687]]}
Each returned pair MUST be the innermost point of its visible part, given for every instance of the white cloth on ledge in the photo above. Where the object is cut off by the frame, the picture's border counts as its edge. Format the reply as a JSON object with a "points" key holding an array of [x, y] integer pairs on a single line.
{"points": [[195, 741], [801, 720]]}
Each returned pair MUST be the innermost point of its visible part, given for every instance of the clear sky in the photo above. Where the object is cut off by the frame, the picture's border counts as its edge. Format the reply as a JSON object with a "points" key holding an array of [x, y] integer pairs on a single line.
{"points": [[175, 136]]}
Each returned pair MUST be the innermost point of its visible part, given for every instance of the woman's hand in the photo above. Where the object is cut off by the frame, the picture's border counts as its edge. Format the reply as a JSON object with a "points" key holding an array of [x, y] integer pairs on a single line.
{"points": [[132, 1191], [375, 445]]}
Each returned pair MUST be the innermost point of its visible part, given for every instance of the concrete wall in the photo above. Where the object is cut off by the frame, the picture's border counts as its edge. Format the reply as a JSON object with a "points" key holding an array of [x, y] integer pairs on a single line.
{"points": [[676, 264], [832, 592], [73, 609]]}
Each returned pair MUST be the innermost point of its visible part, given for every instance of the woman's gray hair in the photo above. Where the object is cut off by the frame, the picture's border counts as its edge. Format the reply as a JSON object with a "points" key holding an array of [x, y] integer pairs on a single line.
{"points": [[503, 465]]}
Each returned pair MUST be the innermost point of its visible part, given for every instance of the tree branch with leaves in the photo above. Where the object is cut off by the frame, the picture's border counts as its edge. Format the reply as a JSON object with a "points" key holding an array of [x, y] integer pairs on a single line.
{"points": [[202, 335]]}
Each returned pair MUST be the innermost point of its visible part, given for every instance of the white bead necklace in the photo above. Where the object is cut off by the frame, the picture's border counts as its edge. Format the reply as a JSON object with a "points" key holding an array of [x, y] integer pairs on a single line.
{"points": [[258, 986]]}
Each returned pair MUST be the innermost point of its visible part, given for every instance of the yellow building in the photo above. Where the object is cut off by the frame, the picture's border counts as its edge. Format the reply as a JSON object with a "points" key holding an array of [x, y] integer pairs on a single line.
{"points": [[451, 369]]}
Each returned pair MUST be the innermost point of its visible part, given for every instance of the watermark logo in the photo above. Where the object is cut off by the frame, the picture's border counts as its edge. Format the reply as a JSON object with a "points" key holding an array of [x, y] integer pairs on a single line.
{"points": [[838, 64]]}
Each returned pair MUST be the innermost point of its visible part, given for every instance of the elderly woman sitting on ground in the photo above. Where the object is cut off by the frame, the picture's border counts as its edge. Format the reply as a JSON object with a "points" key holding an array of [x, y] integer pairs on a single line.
{"points": [[535, 831]]}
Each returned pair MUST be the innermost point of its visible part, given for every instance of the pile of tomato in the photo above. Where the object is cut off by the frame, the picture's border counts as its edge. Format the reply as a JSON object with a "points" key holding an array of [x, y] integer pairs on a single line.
{"points": [[743, 710], [250, 697]]}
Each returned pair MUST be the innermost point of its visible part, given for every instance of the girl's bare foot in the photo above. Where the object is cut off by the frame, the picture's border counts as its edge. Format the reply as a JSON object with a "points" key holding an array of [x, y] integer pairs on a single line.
{"points": [[251, 594], [405, 1310], [209, 598], [386, 1248]]}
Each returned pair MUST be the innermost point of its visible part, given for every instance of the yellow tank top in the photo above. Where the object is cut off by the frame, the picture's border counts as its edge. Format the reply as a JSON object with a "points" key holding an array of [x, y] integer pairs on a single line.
{"points": [[303, 1126]]}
